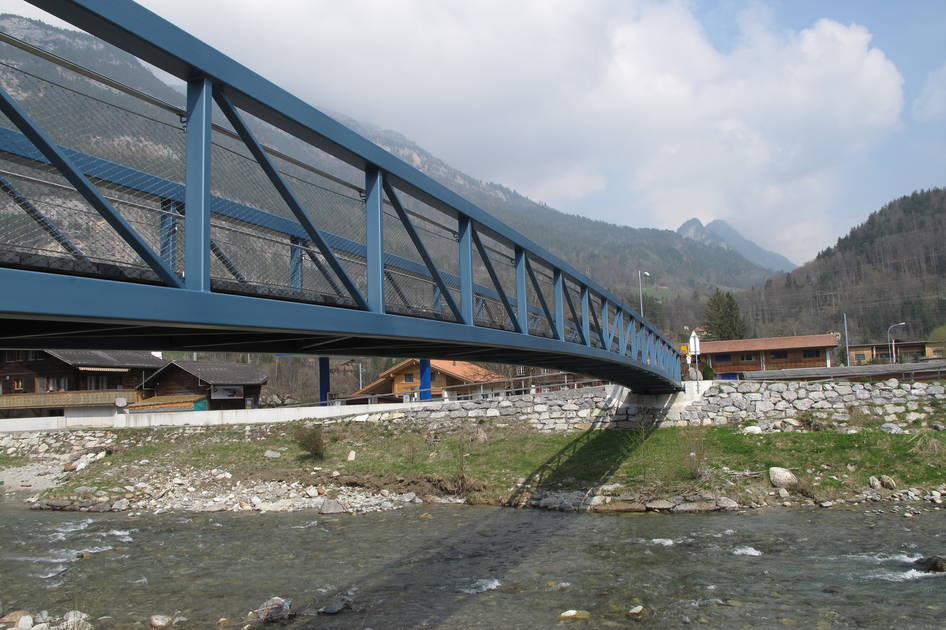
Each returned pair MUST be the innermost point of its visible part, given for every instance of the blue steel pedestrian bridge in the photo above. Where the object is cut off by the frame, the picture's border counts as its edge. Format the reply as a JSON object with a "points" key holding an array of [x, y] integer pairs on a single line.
{"points": [[223, 213]]}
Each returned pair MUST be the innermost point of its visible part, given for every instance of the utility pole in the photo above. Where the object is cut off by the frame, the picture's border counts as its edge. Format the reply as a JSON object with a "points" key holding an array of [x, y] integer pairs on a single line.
{"points": [[640, 288], [847, 352]]}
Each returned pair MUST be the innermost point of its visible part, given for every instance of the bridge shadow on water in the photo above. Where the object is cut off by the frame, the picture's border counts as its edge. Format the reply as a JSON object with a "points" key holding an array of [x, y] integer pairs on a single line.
{"points": [[430, 588]]}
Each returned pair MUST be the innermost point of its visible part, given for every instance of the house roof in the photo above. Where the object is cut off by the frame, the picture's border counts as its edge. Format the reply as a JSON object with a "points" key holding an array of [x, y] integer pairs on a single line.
{"points": [[218, 372], [107, 358], [461, 370], [769, 343]]}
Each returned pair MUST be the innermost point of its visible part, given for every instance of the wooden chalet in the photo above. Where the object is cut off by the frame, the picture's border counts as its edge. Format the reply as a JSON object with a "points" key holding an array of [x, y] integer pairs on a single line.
{"points": [[37, 383], [402, 382], [201, 385]]}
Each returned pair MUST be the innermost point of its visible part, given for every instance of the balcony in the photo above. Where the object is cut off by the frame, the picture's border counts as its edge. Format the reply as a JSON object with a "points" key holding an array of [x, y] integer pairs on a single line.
{"points": [[61, 400]]}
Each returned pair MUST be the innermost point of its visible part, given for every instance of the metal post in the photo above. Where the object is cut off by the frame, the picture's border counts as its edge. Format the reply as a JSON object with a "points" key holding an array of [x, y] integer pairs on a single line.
{"points": [[197, 185], [324, 381], [640, 288], [374, 239], [558, 282], [425, 379], [847, 351], [522, 300], [465, 229]]}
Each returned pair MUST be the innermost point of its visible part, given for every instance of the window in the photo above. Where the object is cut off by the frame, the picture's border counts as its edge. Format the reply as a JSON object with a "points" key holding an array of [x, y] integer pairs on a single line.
{"points": [[433, 377], [17, 385], [722, 358], [778, 354], [52, 383], [811, 354], [408, 378], [748, 356], [860, 356]]}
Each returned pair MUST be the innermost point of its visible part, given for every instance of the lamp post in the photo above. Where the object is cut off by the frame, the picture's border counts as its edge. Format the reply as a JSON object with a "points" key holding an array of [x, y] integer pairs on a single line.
{"points": [[891, 343], [640, 288]]}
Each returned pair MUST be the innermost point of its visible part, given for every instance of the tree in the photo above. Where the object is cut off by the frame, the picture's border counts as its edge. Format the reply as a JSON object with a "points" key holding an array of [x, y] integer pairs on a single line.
{"points": [[721, 318]]}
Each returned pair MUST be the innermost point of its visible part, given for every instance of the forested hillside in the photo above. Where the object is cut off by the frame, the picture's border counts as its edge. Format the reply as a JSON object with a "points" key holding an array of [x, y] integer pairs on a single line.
{"points": [[889, 269]]}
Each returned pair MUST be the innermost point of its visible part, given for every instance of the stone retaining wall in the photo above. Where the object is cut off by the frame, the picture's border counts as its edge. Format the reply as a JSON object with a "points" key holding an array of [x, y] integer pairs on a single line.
{"points": [[793, 404], [567, 410]]}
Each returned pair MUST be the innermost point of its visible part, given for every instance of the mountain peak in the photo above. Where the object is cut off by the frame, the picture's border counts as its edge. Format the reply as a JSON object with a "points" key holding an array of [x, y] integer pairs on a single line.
{"points": [[720, 233]]}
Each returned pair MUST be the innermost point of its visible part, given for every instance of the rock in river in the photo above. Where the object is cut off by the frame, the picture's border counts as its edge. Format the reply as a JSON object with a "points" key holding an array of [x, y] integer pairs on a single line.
{"points": [[936, 564], [274, 609]]}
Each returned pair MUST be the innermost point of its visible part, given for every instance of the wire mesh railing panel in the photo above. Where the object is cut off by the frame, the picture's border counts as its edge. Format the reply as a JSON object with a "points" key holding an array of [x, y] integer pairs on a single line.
{"points": [[250, 259], [502, 260], [410, 294], [333, 203], [539, 323], [436, 230], [238, 178], [572, 294], [595, 324], [47, 224]]}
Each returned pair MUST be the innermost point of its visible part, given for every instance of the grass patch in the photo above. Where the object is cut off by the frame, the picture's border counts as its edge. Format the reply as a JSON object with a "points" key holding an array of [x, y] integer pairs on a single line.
{"points": [[485, 462], [12, 461]]}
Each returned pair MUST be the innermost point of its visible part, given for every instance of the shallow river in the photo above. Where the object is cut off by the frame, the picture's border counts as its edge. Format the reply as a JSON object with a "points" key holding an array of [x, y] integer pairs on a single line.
{"points": [[479, 567]]}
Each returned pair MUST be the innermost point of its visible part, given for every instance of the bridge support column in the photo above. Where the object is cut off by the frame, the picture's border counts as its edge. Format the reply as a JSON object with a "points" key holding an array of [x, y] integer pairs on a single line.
{"points": [[465, 229], [425, 391], [374, 243], [324, 381], [522, 298], [197, 186]]}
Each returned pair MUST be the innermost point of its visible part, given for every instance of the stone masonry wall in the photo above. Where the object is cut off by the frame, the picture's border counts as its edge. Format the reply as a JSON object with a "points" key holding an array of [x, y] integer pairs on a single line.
{"points": [[786, 406], [567, 410]]}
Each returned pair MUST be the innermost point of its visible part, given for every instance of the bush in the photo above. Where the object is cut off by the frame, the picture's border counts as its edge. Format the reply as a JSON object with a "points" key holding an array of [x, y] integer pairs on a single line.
{"points": [[309, 437], [708, 372]]}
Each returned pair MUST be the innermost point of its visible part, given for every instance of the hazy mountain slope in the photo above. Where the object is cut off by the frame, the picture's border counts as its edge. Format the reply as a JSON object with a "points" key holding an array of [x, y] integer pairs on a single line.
{"points": [[889, 269], [608, 253], [722, 234]]}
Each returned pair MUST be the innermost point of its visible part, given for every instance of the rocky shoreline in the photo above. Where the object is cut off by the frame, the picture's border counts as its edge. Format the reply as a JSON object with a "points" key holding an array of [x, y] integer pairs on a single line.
{"points": [[56, 461]]}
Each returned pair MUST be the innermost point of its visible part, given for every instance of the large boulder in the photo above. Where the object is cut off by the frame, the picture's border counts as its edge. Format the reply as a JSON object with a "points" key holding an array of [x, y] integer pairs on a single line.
{"points": [[782, 477], [274, 609]]}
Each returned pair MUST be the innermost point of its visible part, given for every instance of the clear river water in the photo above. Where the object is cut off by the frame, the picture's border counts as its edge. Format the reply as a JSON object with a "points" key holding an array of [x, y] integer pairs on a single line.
{"points": [[440, 566]]}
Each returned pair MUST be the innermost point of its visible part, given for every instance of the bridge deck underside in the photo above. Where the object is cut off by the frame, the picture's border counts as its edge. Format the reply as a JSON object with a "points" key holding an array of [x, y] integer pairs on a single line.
{"points": [[21, 333]]}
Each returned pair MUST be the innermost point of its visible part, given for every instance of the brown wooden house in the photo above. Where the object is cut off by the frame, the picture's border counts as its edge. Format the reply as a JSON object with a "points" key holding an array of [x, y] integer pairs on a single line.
{"points": [[201, 385], [46, 382], [401, 381], [730, 358]]}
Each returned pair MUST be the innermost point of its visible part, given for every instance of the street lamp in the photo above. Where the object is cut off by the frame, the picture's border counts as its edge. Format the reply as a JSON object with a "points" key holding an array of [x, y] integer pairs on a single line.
{"points": [[640, 288], [892, 343]]}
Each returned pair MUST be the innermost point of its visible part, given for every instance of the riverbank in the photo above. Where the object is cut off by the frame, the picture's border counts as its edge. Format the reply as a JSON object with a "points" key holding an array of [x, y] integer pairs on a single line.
{"points": [[382, 466]]}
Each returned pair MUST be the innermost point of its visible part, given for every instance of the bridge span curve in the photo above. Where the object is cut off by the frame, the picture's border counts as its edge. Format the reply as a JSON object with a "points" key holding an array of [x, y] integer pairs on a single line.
{"points": [[243, 219]]}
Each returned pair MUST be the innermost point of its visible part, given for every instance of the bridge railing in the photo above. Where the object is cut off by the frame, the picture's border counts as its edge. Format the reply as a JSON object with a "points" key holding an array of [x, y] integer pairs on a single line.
{"points": [[241, 188]]}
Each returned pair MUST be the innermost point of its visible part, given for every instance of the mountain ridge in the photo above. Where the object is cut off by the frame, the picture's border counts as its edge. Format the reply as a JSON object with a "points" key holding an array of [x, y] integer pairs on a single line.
{"points": [[721, 233]]}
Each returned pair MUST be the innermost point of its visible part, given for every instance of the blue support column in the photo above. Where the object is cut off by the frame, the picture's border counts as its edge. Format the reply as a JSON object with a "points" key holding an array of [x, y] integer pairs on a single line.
{"points": [[324, 381], [465, 229], [522, 299], [607, 334], [374, 223], [585, 315], [295, 263], [558, 283], [168, 238], [425, 379], [197, 181]]}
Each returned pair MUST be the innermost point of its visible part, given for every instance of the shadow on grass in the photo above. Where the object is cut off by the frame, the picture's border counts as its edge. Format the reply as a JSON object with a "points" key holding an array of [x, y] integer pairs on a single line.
{"points": [[586, 462]]}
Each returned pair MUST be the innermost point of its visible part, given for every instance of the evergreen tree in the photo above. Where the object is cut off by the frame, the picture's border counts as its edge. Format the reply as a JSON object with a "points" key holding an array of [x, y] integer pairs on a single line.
{"points": [[722, 319]]}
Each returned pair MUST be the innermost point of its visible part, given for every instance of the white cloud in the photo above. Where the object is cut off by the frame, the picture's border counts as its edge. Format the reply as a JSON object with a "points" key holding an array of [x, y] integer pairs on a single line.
{"points": [[930, 105], [563, 99]]}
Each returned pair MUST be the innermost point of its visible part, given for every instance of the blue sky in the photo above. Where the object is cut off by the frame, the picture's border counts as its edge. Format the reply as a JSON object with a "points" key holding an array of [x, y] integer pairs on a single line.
{"points": [[792, 120]]}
